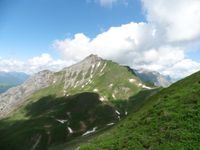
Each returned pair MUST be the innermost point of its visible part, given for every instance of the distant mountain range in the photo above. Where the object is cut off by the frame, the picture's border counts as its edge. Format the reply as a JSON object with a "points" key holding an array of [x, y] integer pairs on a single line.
{"points": [[11, 79], [153, 77]]}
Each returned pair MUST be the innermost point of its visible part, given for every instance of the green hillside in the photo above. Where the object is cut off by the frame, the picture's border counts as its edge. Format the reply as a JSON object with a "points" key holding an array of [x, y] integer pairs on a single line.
{"points": [[169, 120], [49, 120], [111, 83], [55, 115]]}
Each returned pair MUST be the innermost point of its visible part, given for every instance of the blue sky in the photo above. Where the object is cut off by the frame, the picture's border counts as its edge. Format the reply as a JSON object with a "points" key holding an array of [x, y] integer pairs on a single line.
{"points": [[28, 27], [52, 34]]}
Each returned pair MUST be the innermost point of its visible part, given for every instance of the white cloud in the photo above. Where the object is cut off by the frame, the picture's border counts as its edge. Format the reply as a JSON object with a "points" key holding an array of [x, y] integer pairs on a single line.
{"points": [[159, 44], [41, 60], [33, 65], [183, 68], [179, 20], [69, 48], [112, 44], [10, 65]]}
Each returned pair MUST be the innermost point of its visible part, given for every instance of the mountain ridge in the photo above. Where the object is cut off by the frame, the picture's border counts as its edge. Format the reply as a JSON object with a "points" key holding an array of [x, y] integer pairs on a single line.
{"points": [[153, 77], [79, 100], [93, 74]]}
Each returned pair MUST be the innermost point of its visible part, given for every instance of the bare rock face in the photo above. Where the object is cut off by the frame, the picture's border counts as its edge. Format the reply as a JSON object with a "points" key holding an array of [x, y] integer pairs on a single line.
{"points": [[17, 95], [79, 74], [83, 72]]}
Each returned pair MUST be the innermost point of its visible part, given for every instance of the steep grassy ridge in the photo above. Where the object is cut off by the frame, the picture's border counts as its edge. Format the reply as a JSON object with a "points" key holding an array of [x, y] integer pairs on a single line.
{"points": [[168, 120]]}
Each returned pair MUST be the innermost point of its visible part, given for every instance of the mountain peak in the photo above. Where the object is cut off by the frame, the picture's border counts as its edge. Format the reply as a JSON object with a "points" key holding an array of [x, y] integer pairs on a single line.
{"points": [[93, 57]]}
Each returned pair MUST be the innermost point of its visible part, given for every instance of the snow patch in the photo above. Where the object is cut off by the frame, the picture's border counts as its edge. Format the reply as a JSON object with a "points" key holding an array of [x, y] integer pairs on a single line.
{"points": [[103, 67], [90, 131], [64, 91], [132, 80], [76, 84], [88, 82], [113, 95], [70, 130], [146, 87], [117, 112], [95, 90], [111, 85], [118, 117], [126, 113], [110, 124], [140, 84], [102, 98], [92, 70], [61, 121], [98, 64]]}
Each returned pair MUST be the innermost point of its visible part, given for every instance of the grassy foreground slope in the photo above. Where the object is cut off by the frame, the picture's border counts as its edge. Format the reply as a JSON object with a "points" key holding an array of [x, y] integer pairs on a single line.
{"points": [[54, 120], [168, 120]]}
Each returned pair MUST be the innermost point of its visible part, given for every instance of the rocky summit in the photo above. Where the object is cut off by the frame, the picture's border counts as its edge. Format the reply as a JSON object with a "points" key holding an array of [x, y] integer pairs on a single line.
{"points": [[93, 74]]}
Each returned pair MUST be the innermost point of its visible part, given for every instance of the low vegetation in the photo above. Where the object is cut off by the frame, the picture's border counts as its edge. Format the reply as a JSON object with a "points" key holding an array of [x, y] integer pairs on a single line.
{"points": [[168, 120], [53, 120]]}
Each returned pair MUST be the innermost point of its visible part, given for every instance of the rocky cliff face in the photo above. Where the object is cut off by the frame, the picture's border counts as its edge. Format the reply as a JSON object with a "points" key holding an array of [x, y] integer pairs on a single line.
{"points": [[17, 95], [110, 80], [83, 72]]}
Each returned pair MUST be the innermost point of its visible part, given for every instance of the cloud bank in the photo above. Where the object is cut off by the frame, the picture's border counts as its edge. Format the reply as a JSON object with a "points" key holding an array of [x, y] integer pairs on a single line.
{"points": [[33, 65], [160, 44]]}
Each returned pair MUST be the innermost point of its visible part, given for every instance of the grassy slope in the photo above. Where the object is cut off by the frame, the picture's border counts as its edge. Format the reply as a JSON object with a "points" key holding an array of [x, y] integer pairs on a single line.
{"points": [[112, 74], [132, 105], [34, 119], [48, 102], [168, 120], [39, 121]]}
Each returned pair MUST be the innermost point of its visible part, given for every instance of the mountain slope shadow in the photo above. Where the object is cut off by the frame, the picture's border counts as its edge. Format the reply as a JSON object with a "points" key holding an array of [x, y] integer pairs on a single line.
{"points": [[53, 120]]}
